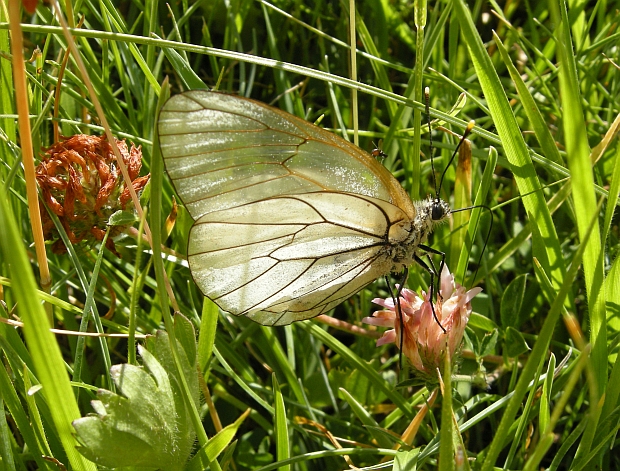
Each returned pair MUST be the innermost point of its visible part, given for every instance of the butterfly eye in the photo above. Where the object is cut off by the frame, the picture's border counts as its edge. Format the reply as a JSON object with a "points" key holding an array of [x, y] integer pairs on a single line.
{"points": [[438, 211]]}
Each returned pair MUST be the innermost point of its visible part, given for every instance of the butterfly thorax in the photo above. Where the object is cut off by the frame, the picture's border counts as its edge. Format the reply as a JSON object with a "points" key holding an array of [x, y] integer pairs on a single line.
{"points": [[407, 237]]}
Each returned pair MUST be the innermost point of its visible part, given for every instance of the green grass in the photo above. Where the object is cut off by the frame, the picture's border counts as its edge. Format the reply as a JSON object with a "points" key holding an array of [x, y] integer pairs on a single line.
{"points": [[542, 83]]}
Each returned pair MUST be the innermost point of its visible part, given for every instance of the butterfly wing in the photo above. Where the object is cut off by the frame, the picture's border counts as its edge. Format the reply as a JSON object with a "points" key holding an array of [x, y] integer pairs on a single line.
{"points": [[289, 258], [222, 151], [290, 219]]}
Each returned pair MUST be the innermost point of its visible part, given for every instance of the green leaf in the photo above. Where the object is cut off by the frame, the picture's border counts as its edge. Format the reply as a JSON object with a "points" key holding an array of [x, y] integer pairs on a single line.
{"points": [[489, 341], [356, 385], [186, 336], [546, 245], [283, 446], [407, 460], [515, 343], [43, 347], [481, 322], [366, 419], [512, 300], [184, 69], [160, 348], [206, 335], [544, 416], [140, 426], [530, 107], [223, 438], [122, 218], [447, 430]]}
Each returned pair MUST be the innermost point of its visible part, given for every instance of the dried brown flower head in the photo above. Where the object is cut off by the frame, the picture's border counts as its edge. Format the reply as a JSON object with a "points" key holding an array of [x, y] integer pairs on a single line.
{"points": [[81, 184]]}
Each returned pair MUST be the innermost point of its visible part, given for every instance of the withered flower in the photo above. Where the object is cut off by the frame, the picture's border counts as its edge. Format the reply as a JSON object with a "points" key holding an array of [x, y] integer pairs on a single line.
{"points": [[424, 341], [82, 184]]}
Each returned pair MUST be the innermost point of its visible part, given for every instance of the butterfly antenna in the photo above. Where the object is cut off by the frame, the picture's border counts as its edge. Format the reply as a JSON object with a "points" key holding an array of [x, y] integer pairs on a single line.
{"points": [[468, 130]]}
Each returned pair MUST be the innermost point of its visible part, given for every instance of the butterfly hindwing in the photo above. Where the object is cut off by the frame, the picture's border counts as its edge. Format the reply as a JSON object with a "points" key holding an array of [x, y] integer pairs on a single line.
{"points": [[292, 257]]}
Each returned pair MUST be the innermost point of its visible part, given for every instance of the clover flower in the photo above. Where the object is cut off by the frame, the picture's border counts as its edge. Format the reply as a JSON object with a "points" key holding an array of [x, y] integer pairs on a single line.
{"points": [[424, 341], [81, 184]]}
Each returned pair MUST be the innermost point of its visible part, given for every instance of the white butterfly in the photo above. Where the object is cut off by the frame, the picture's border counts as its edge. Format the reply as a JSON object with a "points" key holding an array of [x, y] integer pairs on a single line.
{"points": [[291, 220]]}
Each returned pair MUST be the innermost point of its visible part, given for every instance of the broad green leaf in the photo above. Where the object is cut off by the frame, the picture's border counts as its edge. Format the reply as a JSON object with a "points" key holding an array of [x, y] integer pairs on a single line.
{"points": [[406, 460], [122, 218], [515, 343], [145, 424], [512, 300], [481, 322], [487, 346]]}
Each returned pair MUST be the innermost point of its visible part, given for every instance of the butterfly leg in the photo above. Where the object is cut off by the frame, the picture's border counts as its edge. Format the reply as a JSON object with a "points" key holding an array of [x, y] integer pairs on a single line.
{"points": [[434, 272], [430, 268], [398, 308], [428, 250]]}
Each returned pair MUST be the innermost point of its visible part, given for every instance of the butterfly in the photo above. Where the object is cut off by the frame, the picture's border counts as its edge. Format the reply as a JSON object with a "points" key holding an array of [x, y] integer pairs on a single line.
{"points": [[290, 219]]}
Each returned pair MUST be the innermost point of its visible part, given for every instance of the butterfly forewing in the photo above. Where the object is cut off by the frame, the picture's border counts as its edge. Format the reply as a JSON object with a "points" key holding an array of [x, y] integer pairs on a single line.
{"points": [[290, 219], [222, 151]]}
